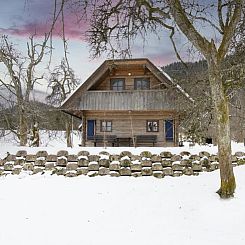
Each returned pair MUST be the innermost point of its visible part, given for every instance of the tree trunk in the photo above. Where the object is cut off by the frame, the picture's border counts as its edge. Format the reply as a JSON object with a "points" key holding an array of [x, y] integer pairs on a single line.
{"points": [[22, 134], [68, 133], [35, 135], [221, 110]]}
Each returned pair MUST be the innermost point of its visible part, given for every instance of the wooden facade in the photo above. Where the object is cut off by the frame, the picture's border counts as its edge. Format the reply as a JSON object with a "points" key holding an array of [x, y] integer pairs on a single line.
{"points": [[128, 124], [126, 102]]}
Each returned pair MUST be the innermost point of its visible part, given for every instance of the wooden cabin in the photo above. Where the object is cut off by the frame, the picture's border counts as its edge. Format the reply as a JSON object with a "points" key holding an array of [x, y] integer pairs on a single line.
{"points": [[126, 102]]}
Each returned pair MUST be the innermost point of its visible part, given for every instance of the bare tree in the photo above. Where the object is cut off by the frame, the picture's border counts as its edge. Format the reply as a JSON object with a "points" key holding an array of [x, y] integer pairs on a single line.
{"points": [[115, 24], [197, 117], [19, 79], [62, 82]]}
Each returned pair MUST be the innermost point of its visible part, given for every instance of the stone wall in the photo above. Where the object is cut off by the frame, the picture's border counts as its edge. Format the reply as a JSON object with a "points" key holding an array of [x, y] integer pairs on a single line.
{"points": [[124, 164]]}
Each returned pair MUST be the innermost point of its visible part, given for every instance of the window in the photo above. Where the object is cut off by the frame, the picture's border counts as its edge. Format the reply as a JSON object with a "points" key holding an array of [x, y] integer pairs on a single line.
{"points": [[118, 84], [141, 83], [106, 126], [169, 130], [152, 126]]}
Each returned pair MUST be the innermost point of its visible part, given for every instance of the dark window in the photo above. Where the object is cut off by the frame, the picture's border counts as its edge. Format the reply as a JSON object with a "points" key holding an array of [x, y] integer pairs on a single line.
{"points": [[118, 84], [106, 126], [169, 130], [152, 126], [141, 83]]}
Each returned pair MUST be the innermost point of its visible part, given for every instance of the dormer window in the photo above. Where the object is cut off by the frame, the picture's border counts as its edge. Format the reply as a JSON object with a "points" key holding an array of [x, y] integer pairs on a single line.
{"points": [[141, 83], [118, 84]]}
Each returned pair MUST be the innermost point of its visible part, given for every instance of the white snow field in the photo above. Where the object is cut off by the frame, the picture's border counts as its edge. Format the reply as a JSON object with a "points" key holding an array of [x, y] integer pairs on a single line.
{"points": [[48, 210]]}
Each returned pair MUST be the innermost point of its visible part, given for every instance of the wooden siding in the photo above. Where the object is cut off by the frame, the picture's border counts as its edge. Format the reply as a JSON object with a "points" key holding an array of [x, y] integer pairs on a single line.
{"points": [[129, 82], [127, 100], [127, 124], [100, 79]]}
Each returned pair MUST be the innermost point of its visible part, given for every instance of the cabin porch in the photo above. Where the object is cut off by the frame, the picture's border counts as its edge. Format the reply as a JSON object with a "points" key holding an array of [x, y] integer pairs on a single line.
{"points": [[129, 128]]}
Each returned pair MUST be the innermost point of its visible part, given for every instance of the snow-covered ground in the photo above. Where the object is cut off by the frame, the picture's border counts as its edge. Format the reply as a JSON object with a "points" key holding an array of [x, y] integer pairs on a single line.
{"points": [[44, 209], [55, 141]]}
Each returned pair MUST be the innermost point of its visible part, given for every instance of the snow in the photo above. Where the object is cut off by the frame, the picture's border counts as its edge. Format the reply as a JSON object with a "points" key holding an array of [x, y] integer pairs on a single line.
{"points": [[49, 209], [57, 142], [125, 158], [93, 163], [62, 157], [82, 157], [156, 163], [185, 157], [136, 162], [146, 159], [44, 209], [176, 162], [20, 158], [104, 157], [40, 159], [176, 85]]}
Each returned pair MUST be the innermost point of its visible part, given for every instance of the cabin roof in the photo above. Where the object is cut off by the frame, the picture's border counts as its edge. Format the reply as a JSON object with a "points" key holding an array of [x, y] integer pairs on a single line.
{"points": [[107, 65]]}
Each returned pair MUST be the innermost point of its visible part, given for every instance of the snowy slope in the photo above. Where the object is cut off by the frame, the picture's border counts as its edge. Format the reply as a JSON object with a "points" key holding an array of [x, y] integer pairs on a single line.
{"points": [[104, 210], [52, 144], [44, 209]]}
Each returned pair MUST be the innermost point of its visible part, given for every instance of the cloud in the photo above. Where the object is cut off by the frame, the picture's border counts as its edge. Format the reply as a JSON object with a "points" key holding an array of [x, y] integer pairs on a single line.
{"points": [[36, 17], [73, 29]]}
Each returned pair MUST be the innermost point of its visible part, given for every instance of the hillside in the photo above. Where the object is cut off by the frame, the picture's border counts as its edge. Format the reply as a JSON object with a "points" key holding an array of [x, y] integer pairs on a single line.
{"points": [[48, 117], [193, 78]]}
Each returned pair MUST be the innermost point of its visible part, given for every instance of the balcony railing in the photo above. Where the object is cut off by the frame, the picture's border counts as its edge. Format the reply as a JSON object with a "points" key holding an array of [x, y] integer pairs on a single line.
{"points": [[127, 100]]}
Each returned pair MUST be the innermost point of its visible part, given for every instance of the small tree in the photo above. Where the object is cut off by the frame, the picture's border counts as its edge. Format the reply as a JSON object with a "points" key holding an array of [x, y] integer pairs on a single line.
{"points": [[20, 79], [62, 82]]}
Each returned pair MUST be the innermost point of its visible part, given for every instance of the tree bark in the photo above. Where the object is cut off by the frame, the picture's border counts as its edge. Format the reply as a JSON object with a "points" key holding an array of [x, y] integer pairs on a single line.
{"points": [[35, 135], [221, 108], [23, 128], [68, 133]]}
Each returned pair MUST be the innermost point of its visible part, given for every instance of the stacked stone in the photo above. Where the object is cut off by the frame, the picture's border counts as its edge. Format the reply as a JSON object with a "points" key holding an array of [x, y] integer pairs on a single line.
{"points": [[238, 158], [123, 164], [14, 164]]}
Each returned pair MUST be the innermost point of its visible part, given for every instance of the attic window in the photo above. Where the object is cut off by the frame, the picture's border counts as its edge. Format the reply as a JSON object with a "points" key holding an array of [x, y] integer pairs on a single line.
{"points": [[118, 84], [141, 83]]}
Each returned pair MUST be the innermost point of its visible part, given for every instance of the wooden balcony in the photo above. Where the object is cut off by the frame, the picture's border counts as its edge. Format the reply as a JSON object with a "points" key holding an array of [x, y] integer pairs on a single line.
{"points": [[127, 100]]}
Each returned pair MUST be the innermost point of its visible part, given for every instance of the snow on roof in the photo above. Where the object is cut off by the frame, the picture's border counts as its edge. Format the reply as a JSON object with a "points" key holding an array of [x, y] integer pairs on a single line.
{"points": [[73, 92], [176, 85]]}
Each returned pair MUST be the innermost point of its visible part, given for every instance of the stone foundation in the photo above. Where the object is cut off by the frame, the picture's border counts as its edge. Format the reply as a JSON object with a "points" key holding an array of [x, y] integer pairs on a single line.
{"points": [[124, 164]]}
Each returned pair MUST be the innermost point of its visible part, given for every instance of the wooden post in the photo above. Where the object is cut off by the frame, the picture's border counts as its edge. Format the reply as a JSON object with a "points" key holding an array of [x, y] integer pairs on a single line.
{"points": [[176, 131], [83, 130]]}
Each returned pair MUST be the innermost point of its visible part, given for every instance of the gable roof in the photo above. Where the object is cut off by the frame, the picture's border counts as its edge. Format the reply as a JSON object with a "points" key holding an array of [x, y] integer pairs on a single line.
{"points": [[107, 66]]}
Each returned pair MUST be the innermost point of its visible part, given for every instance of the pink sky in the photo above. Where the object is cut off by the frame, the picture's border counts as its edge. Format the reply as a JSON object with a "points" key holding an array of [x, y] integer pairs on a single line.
{"points": [[22, 18]]}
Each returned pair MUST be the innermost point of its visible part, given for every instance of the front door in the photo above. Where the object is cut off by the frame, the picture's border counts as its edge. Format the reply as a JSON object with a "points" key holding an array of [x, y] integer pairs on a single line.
{"points": [[169, 130], [90, 129]]}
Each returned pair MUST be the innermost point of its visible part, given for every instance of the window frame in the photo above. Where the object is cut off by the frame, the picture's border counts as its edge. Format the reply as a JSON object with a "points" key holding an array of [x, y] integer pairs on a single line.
{"points": [[117, 80], [141, 79], [152, 121], [106, 126]]}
